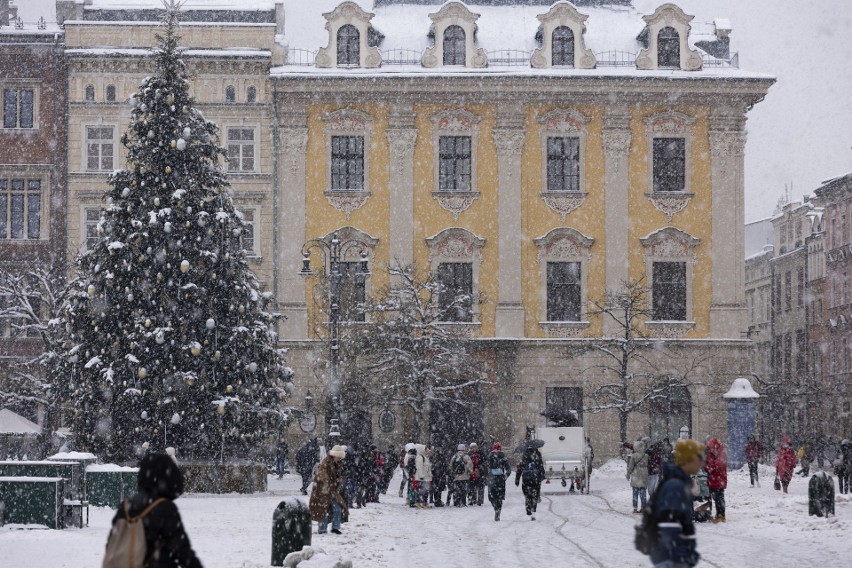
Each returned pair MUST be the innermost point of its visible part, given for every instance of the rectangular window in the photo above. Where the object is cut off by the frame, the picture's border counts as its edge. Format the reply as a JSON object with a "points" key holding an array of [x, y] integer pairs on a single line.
{"points": [[353, 292], [241, 149], [669, 291], [800, 287], [454, 167], [563, 291], [100, 148], [669, 164], [18, 108], [248, 239], [788, 357], [788, 291], [347, 162], [564, 406], [563, 164], [456, 296], [93, 217], [801, 355], [20, 209]]}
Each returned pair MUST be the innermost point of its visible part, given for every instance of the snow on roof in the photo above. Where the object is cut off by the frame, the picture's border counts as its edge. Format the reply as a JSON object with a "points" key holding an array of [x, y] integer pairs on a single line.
{"points": [[138, 52], [28, 479], [12, 423], [72, 456], [109, 467], [241, 5]]}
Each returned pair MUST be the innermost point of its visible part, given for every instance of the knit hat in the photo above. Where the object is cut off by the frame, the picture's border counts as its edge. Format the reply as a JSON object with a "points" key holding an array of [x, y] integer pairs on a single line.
{"points": [[338, 452], [461, 447], [686, 450], [496, 447], [473, 445]]}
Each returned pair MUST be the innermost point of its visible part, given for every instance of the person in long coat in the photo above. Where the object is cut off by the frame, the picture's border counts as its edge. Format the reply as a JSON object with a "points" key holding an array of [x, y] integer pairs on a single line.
{"points": [[531, 471], [716, 466], [326, 503], [786, 463], [637, 475], [498, 470]]}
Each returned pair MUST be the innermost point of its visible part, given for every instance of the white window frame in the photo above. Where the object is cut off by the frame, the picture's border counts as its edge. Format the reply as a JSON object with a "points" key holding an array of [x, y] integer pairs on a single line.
{"points": [[454, 14], [255, 230], [458, 245], [671, 245], [348, 13], [85, 152], [20, 86], [255, 144], [562, 14], [43, 216], [85, 223]]}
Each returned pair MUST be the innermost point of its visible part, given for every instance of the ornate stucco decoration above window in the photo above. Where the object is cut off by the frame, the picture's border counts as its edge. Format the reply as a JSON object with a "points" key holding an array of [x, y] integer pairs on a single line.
{"points": [[671, 244], [454, 14], [558, 123], [365, 243], [456, 244], [456, 122], [668, 16], [563, 244], [348, 13], [669, 124], [347, 122], [563, 14]]}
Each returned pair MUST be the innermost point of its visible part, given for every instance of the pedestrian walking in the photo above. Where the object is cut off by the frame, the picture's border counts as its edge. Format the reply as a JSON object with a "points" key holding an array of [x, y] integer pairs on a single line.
{"points": [[439, 477], [350, 475], [159, 483], [460, 468], [477, 476], [402, 459], [389, 464], [716, 465], [785, 463], [846, 452], [306, 458], [326, 503], [637, 475], [753, 453], [498, 469], [804, 455], [655, 466], [529, 474], [676, 545], [840, 472], [423, 475], [282, 450]]}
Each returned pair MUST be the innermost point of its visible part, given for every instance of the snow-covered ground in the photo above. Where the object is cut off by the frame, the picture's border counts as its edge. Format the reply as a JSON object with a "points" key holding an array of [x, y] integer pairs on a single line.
{"points": [[764, 528]]}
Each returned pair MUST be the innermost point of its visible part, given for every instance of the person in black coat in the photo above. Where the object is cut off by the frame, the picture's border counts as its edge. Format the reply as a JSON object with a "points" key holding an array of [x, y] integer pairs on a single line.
{"points": [[531, 472], [165, 538], [389, 465], [497, 471], [306, 458]]}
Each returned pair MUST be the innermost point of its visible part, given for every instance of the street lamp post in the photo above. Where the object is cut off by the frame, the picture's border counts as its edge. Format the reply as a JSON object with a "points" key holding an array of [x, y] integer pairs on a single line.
{"points": [[333, 251]]}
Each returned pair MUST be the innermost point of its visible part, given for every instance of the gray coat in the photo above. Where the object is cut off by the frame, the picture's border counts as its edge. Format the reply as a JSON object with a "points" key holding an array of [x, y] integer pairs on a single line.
{"points": [[637, 467]]}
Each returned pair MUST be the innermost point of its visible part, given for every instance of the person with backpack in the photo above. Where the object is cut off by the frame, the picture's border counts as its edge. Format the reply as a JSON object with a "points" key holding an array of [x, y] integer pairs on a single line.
{"points": [[477, 477], [461, 467], [326, 503], [637, 475], [785, 464], [667, 530], [753, 452], [498, 470], [716, 465], [531, 472], [147, 529]]}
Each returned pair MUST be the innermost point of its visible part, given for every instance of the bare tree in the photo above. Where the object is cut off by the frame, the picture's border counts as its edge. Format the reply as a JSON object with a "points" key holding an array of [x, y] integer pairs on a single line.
{"points": [[410, 353], [632, 376]]}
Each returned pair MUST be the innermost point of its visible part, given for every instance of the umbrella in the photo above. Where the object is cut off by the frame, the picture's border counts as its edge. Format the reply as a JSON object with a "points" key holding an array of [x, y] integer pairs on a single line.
{"points": [[524, 444]]}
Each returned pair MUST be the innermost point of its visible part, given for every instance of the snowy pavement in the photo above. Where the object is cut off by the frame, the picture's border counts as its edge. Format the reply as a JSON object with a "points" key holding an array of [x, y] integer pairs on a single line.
{"points": [[764, 529]]}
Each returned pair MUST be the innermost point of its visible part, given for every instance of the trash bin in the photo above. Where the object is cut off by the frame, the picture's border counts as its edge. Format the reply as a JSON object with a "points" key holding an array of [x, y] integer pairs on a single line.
{"points": [[821, 495], [291, 529]]}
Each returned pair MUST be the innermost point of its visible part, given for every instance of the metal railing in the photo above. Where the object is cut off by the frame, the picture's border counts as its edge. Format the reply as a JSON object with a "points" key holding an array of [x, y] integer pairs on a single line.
{"points": [[401, 57], [710, 61], [303, 57], [509, 57], [616, 59]]}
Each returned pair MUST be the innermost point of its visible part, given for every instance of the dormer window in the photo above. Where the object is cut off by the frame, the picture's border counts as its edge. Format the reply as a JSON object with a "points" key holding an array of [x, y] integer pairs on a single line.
{"points": [[348, 46], [668, 48], [563, 46], [454, 46]]}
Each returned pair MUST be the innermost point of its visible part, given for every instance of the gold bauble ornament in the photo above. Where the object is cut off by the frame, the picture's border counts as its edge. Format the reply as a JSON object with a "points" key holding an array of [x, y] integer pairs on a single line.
{"points": [[168, 170], [173, 144], [142, 372]]}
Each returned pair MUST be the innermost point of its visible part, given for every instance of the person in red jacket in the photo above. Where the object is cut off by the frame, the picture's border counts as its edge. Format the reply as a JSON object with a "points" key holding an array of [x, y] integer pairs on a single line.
{"points": [[786, 463], [753, 452], [716, 466]]}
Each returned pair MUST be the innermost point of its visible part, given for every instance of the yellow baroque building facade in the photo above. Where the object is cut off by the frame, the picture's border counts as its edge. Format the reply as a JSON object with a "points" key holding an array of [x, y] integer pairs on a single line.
{"points": [[552, 165]]}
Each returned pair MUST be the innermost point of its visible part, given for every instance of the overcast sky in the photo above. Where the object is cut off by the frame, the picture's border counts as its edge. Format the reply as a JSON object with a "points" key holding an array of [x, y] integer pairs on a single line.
{"points": [[802, 133]]}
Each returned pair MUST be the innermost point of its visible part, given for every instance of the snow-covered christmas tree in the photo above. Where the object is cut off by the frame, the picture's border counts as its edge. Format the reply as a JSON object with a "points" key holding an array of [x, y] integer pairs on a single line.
{"points": [[170, 341]]}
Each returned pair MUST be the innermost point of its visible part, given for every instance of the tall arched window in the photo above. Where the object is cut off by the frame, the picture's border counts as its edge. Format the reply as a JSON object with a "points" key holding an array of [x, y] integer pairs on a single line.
{"points": [[90, 93], [563, 46], [670, 411], [230, 94], [668, 48], [110, 93], [251, 95], [348, 45], [454, 46]]}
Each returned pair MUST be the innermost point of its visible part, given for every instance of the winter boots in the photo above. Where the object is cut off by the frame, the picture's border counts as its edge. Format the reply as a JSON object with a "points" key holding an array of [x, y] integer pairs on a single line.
{"points": [[496, 514], [719, 519]]}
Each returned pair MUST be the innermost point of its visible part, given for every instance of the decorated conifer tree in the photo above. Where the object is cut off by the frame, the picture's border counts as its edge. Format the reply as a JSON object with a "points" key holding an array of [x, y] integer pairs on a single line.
{"points": [[170, 341]]}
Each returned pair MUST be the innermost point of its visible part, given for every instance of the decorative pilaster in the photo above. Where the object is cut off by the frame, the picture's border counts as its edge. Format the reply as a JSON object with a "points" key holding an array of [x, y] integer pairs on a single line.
{"points": [[294, 143], [728, 316], [401, 142], [616, 141], [510, 309]]}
